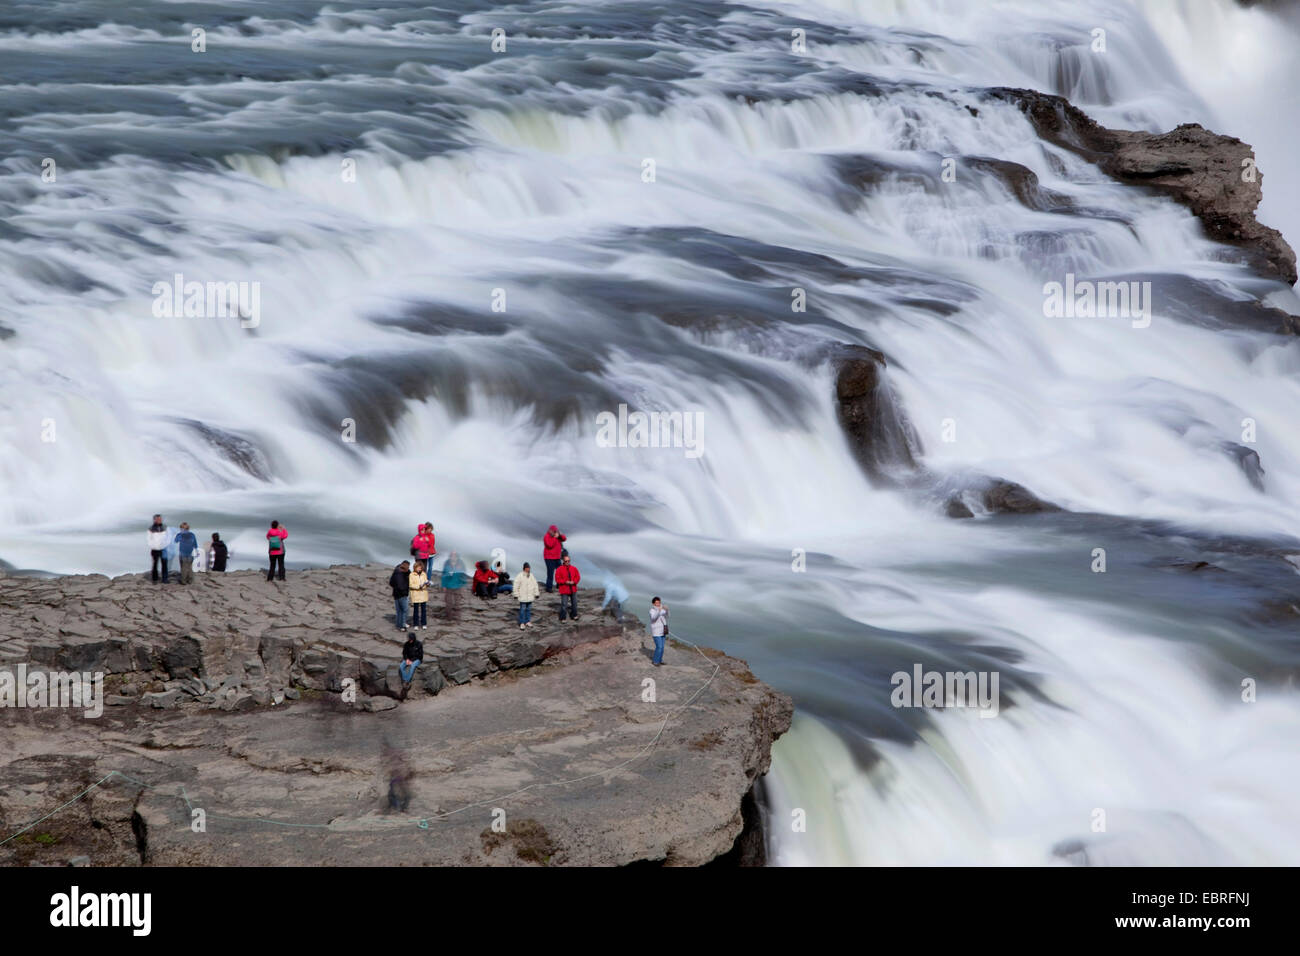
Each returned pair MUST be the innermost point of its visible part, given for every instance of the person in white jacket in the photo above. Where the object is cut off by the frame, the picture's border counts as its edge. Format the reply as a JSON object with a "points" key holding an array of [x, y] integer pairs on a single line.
{"points": [[658, 629], [158, 539], [526, 591]]}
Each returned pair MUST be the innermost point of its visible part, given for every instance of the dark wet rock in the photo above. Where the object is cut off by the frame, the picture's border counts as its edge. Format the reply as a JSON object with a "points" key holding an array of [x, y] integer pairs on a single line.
{"points": [[236, 449], [881, 438], [1008, 497], [956, 508], [1201, 169], [1248, 460], [1196, 566], [441, 319], [1212, 305], [1021, 181]]}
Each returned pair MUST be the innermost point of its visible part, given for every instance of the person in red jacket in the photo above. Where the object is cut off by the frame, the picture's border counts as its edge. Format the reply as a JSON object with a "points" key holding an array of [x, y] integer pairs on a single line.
{"points": [[275, 548], [422, 548], [552, 545], [485, 581], [567, 577]]}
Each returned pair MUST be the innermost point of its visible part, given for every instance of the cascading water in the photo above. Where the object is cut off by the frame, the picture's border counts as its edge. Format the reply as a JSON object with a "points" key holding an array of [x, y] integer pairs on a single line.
{"points": [[521, 174]]}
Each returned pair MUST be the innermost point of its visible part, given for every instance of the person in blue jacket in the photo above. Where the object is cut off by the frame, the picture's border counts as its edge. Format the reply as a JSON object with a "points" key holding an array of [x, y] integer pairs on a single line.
{"points": [[454, 577], [169, 551], [187, 545]]}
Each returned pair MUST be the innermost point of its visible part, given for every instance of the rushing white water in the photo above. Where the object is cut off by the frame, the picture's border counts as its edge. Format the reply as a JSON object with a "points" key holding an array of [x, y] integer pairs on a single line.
{"points": [[523, 173]]}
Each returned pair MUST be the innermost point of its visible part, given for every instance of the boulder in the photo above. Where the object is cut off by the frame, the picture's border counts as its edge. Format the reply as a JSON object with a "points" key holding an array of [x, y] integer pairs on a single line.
{"points": [[880, 437], [1203, 170], [1008, 497]]}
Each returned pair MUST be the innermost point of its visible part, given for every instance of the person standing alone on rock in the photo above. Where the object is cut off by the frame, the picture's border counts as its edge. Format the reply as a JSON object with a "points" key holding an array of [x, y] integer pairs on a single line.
{"points": [[412, 654], [275, 549], [219, 552], [526, 591], [419, 586], [400, 582], [552, 545], [658, 629], [157, 538], [187, 546], [567, 578]]}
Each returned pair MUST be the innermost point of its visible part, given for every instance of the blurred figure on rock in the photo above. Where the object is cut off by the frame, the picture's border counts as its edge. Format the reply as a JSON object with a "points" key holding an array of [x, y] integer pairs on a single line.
{"points": [[454, 577]]}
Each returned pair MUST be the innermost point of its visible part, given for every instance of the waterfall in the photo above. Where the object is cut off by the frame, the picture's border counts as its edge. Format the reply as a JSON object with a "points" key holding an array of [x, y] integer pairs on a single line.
{"points": [[467, 257]]}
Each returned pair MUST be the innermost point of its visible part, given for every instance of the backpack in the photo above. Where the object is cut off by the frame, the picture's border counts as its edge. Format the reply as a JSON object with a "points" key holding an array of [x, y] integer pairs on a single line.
{"points": [[275, 543]]}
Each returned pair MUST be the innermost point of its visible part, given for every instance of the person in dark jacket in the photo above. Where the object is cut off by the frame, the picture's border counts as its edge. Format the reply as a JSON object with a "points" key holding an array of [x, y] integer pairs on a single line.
{"points": [[400, 582], [566, 579], [412, 654], [503, 579], [219, 553], [158, 544], [552, 545]]}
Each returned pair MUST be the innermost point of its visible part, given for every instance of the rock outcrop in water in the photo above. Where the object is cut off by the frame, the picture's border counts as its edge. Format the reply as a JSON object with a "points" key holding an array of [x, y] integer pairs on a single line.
{"points": [[1199, 168], [880, 437], [886, 446], [226, 696]]}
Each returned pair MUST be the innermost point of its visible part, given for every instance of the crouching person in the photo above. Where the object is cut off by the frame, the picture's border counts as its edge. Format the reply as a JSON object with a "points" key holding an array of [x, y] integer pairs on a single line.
{"points": [[412, 655], [485, 581]]}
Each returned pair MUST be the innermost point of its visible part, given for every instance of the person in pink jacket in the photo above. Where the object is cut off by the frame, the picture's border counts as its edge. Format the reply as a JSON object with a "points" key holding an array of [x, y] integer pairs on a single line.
{"points": [[275, 548], [422, 545]]}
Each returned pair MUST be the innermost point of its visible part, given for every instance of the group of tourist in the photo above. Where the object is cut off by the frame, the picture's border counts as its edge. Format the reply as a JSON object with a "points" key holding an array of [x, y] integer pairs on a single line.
{"points": [[410, 586], [166, 545], [410, 581], [182, 546]]}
